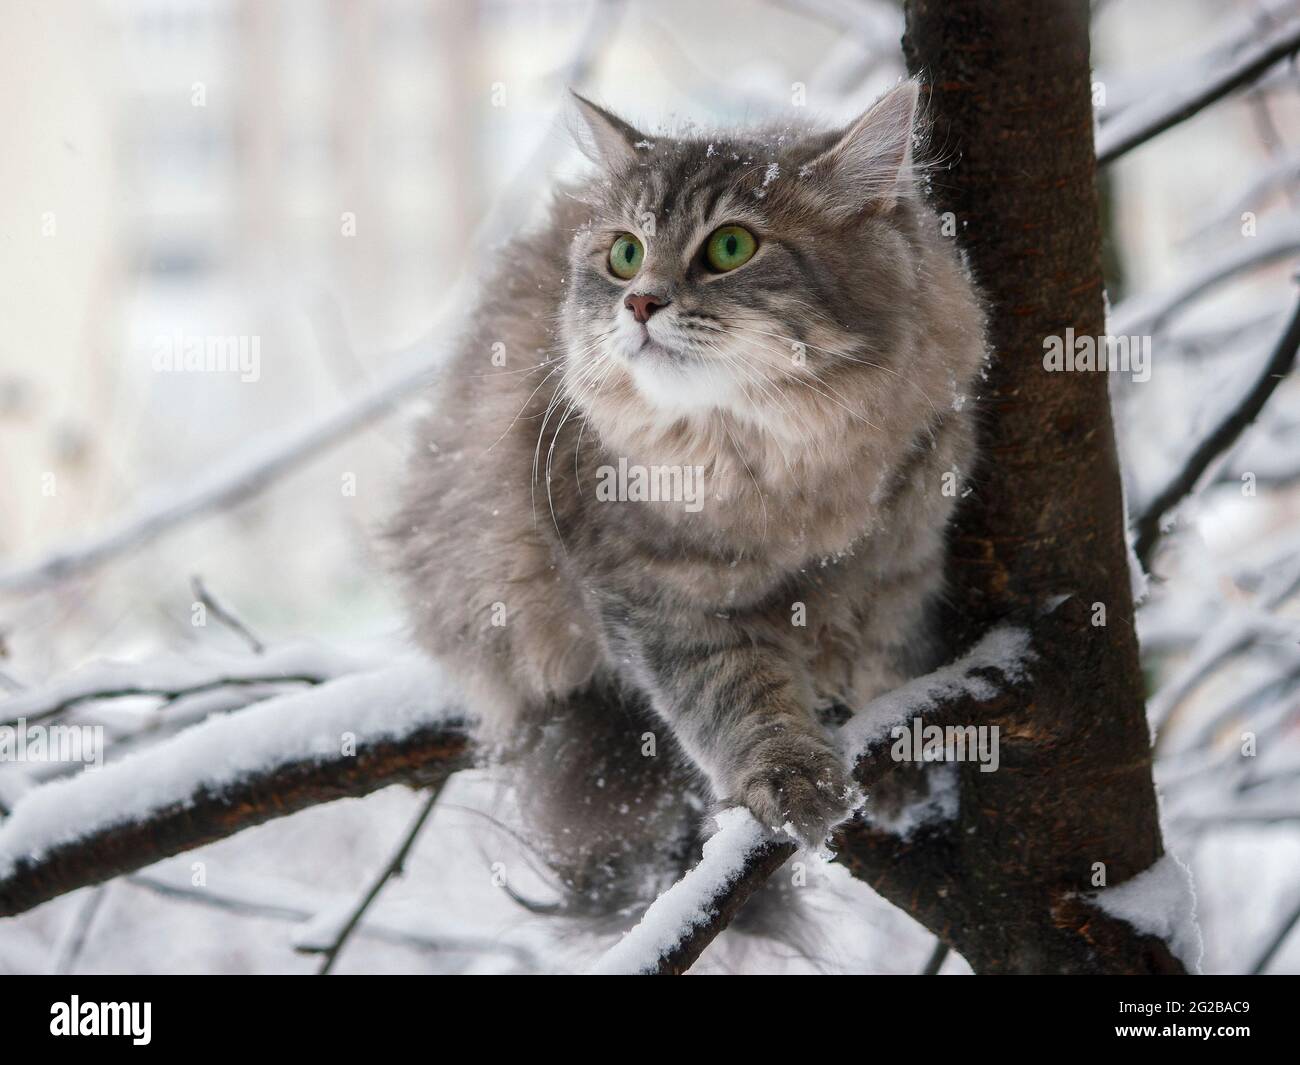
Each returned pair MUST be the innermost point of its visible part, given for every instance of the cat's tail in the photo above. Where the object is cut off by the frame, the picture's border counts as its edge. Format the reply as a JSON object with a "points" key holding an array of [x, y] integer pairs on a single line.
{"points": [[606, 799], [616, 812]]}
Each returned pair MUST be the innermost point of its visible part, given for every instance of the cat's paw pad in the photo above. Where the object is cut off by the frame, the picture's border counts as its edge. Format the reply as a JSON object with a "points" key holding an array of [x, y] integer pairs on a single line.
{"points": [[805, 788]]}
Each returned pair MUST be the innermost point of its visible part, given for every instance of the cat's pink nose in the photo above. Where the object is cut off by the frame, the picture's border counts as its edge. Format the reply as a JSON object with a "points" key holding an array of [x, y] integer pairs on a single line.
{"points": [[643, 305]]}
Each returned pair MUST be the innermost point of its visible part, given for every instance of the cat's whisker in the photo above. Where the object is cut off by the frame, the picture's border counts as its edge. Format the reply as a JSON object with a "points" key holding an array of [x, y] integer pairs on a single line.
{"points": [[573, 403], [562, 365], [559, 396], [550, 455], [795, 408], [512, 373], [586, 417], [524, 407], [806, 380]]}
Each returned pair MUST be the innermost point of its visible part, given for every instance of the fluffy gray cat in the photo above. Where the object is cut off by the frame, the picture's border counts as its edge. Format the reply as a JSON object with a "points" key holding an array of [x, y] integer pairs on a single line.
{"points": [[705, 498]]}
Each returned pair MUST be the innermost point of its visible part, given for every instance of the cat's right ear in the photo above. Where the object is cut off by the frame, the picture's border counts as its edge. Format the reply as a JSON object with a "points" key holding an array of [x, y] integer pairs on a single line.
{"points": [[605, 138]]}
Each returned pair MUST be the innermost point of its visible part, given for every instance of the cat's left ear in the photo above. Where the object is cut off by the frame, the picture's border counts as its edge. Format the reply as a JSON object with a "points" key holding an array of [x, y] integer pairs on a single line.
{"points": [[871, 163], [605, 139]]}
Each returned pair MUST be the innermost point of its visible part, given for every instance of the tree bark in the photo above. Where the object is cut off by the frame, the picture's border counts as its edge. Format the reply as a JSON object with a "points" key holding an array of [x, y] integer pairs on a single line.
{"points": [[1010, 100], [425, 758]]}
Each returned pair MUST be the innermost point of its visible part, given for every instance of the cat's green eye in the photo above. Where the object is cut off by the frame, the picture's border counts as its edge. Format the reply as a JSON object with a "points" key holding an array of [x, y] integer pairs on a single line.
{"points": [[626, 256], [729, 247]]}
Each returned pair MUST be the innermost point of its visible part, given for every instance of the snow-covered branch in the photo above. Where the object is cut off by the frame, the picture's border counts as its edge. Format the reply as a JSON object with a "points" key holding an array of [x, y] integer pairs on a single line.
{"points": [[176, 676], [356, 734], [688, 916], [347, 737], [1150, 916]]}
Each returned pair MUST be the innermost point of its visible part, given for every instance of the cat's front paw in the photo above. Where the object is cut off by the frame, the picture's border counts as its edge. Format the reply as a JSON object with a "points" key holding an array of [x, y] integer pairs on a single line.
{"points": [[798, 781]]}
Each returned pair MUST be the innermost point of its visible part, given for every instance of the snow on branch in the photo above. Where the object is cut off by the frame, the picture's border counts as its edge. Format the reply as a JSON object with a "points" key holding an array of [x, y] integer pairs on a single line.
{"points": [[962, 691], [346, 737], [742, 854], [1158, 905], [1160, 901], [174, 676], [683, 921]]}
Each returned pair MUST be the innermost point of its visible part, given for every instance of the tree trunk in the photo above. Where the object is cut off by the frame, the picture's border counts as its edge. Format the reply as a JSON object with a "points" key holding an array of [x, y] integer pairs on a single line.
{"points": [[1010, 101]]}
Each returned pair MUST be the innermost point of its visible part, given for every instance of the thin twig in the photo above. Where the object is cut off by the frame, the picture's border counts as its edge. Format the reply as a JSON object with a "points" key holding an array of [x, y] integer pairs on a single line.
{"points": [[1224, 641], [1275, 944], [1282, 173], [74, 942], [223, 615], [246, 904], [1225, 434], [168, 693], [937, 957], [393, 867]]}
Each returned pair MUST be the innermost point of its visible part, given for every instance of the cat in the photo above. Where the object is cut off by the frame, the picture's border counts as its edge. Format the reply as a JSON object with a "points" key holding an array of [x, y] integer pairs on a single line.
{"points": [[704, 501]]}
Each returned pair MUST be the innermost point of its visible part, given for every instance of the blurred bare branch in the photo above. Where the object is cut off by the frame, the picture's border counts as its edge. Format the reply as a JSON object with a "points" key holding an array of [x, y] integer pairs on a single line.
{"points": [[1224, 641], [74, 938], [202, 595], [393, 867], [248, 901], [1282, 174], [1193, 92], [1147, 313], [1219, 441], [258, 467], [410, 370], [1274, 945], [298, 663]]}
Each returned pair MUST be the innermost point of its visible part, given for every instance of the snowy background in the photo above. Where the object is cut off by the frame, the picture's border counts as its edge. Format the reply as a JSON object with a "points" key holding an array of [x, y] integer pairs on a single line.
{"points": [[193, 166]]}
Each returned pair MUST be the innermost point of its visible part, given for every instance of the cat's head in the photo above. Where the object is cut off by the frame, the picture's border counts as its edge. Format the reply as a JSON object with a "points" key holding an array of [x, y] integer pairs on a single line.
{"points": [[741, 272]]}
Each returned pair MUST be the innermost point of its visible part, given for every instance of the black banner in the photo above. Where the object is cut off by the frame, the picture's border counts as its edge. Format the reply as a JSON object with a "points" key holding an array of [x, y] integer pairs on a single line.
{"points": [[341, 1013]]}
